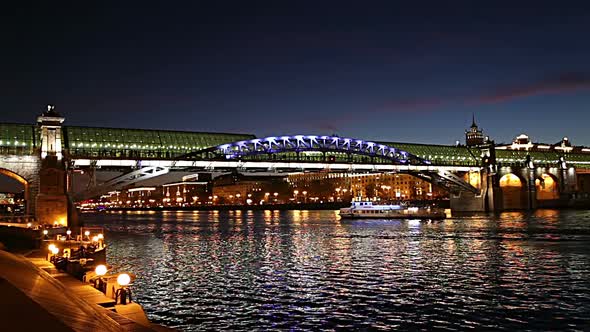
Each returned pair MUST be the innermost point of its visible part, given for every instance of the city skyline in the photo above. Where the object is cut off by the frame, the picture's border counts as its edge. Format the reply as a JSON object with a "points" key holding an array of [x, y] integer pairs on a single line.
{"points": [[381, 72]]}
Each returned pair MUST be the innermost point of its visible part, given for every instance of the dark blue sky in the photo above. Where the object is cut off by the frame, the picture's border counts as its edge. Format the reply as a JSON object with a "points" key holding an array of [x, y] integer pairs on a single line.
{"points": [[376, 70]]}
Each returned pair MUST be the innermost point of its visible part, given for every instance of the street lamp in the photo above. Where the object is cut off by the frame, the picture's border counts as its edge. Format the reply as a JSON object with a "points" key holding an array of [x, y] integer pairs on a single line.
{"points": [[304, 196], [100, 271], [122, 293]]}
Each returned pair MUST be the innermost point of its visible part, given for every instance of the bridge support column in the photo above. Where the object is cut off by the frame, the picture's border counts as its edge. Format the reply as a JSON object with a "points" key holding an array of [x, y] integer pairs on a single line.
{"points": [[531, 190], [52, 203], [485, 200]]}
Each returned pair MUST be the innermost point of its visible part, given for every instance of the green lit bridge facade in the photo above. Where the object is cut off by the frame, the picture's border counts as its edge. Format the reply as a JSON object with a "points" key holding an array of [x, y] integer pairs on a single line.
{"points": [[140, 144]]}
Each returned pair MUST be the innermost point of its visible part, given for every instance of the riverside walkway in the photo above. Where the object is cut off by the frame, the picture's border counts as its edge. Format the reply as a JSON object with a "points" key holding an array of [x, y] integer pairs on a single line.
{"points": [[35, 296]]}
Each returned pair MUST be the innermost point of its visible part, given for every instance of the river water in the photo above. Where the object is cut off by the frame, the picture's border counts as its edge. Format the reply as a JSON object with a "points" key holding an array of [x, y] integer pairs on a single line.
{"points": [[309, 270]]}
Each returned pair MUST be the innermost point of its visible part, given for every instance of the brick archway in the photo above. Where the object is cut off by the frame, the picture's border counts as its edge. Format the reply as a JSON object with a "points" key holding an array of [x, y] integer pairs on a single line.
{"points": [[24, 169]]}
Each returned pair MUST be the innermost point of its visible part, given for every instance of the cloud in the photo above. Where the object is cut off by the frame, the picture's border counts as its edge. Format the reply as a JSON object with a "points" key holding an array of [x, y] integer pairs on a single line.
{"points": [[556, 84], [562, 83]]}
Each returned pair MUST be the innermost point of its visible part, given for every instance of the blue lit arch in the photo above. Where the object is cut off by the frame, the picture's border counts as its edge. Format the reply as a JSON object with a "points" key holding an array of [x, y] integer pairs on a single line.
{"points": [[302, 143]]}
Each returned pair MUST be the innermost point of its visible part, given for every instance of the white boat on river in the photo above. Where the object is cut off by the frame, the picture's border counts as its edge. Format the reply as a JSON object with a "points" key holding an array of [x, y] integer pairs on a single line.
{"points": [[366, 209]]}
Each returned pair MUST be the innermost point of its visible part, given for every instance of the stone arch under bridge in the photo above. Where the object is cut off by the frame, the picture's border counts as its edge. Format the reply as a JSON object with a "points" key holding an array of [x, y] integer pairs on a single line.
{"points": [[24, 169], [513, 189], [547, 187]]}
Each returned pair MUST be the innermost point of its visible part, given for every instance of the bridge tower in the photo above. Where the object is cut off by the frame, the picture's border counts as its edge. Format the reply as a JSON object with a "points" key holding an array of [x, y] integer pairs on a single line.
{"points": [[53, 203], [486, 180]]}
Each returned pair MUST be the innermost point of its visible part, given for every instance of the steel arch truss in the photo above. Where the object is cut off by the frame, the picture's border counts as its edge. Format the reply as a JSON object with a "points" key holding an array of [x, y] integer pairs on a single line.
{"points": [[303, 143]]}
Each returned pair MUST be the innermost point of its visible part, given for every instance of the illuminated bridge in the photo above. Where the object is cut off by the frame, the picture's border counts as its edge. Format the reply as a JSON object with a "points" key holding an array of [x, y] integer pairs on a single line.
{"points": [[101, 144], [134, 155]]}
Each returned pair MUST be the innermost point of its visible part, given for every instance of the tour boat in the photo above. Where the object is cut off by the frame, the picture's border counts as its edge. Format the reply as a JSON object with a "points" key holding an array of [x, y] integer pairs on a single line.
{"points": [[365, 209]]}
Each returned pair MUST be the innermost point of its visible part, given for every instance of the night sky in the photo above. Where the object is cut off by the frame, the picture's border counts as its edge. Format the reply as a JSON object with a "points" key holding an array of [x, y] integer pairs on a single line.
{"points": [[375, 70]]}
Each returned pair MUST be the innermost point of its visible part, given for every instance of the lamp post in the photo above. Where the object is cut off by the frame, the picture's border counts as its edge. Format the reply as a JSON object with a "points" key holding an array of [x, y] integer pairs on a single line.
{"points": [[54, 251], [304, 196], [99, 282], [295, 193], [122, 293]]}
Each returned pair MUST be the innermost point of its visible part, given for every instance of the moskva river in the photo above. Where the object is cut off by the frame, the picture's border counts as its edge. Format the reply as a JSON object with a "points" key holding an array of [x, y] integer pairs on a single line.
{"points": [[309, 270]]}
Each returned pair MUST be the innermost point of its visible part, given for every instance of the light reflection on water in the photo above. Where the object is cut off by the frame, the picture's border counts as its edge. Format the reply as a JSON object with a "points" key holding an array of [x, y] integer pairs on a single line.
{"points": [[265, 270]]}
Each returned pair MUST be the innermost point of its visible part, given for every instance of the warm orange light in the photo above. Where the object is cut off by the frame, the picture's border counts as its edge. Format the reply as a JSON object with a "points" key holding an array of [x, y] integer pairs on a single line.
{"points": [[510, 180], [100, 236], [100, 270], [55, 250], [123, 279]]}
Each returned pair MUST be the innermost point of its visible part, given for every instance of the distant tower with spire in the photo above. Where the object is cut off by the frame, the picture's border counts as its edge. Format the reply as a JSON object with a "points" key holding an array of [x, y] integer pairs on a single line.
{"points": [[474, 136]]}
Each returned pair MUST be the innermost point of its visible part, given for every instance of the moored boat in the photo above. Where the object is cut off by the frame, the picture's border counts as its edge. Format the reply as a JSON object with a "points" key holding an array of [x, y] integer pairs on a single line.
{"points": [[366, 209]]}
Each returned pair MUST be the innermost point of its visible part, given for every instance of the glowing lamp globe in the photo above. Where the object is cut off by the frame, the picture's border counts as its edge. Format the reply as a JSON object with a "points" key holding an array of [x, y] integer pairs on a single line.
{"points": [[50, 247], [100, 236], [123, 279], [87, 233], [95, 239], [68, 232], [55, 250], [45, 232], [29, 224], [100, 270]]}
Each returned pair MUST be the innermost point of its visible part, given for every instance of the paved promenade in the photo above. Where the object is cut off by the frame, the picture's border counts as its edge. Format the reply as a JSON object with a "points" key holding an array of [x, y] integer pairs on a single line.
{"points": [[32, 299]]}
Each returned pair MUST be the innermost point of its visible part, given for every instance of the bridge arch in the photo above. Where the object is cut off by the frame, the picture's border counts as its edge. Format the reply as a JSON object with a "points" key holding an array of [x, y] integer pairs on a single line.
{"points": [[25, 170], [547, 186], [13, 175], [20, 179], [308, 148], [513, 190]]}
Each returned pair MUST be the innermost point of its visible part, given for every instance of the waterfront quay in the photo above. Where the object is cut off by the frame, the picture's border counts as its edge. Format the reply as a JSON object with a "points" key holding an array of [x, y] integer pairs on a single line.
{"points": [[56, 277]]}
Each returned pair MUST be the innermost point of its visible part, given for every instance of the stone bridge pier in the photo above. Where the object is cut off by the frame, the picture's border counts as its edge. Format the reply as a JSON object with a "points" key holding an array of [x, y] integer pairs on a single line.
{"points": [[517, 188], [43, 173]]}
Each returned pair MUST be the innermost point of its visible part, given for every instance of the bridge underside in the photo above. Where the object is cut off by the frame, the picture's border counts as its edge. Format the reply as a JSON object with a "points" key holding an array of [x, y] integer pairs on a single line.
{"points": [[443, 176]]}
